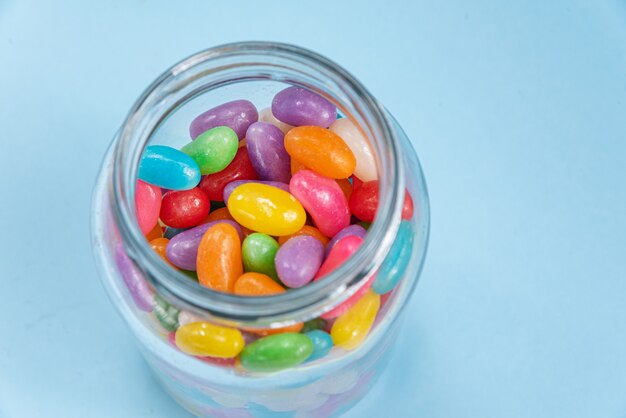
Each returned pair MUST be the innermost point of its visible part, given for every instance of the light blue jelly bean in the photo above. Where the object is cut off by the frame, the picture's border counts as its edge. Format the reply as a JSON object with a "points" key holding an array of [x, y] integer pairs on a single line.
{"points": [[169, 168], [392, 269], [322, 343]]}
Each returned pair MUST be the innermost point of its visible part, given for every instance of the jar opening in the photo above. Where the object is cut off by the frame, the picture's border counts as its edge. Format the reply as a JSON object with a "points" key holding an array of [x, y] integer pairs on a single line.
{"points": [[226, 65]]}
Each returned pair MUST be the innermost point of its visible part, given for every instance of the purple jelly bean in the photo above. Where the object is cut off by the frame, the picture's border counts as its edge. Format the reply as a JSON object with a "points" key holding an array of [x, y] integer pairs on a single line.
{"points": [[356, 230], [237, 115], [266, 148], [298, 260], [297, 106], [139, 289], [234, 184], [182, 249]]}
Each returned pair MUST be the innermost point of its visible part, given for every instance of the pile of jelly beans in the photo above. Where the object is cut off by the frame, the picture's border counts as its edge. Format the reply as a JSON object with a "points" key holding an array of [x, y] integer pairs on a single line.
{"points": [[260, 203]]}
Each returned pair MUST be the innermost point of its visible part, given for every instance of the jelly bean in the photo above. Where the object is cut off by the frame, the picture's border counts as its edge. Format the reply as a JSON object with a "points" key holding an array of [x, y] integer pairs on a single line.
{"points": [[364, 202], [341, 251], [396, 262], [185, 208], [147, 205], [182, 250], [233, 185], [298, 260], [365, 225], [219, 214], [191, 274], [346, 187], [356, 182], [206, 339], [305, 230], [139, 289], [156, 232], [169, 168], [213, 150], [354, 230], [322, 344], [166, 314], [266, 209], [297, 106], [219, 257], [351, 328], [265, 143], [313, 324], [323, 199], [239, 169], [258, 252], [360, 147], [296, 166], [159, 245], [348, 303], [237, 115], [256, 284], [276, 352], [321, 150], [266, 115], [297, 327]]}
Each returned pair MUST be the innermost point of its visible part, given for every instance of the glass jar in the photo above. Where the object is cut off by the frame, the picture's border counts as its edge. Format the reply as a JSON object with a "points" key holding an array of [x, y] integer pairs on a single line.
{"points": [[154, 299]]}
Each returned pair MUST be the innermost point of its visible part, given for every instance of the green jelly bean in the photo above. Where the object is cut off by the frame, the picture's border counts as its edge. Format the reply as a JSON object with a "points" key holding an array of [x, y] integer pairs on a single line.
{"points": [[214, 149], [276, 352], [365, 225], [166, 314], [313, 324], [258, 252], [193, 275]]}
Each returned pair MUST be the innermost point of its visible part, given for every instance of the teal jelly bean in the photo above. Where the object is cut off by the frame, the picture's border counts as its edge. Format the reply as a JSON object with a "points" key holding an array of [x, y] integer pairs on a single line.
{"points": [[276, 352], [214, 149], [313, 324], [258, 252], [396, 262], [322, 343], [169, 168], [166, 314]]}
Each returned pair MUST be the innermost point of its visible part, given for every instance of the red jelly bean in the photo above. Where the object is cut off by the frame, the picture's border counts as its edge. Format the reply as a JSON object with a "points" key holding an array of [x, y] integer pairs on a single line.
{"points": [[239, 169], [364, 202], [184, 208], [148, 205]]}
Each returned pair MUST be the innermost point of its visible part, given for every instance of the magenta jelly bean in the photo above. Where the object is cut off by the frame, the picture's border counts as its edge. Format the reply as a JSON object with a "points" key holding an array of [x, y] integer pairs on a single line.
{"points": [[298, 260], [266, 148], [355, 230], [139, 289], [182, 250], [147, 205], [234, 184], [237, 115], [323, 199], [298, 107]]}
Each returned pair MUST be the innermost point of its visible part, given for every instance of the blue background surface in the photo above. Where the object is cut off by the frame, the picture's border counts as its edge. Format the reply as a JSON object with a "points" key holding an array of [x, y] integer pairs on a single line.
{"points": [[518, 113]]}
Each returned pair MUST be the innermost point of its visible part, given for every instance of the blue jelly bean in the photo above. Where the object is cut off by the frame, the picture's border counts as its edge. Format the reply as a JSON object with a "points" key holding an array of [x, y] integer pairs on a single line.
{"points": [[392, 269], [322, 343], [169, 168]]}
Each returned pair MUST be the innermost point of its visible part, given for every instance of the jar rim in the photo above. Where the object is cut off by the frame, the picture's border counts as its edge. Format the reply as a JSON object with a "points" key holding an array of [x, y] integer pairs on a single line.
{"points": [[238, 62]]}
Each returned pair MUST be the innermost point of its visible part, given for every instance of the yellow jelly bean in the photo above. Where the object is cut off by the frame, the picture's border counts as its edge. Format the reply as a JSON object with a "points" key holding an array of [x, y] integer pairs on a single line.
{"points": [[266, 209], [351, 328], [206, 339]]}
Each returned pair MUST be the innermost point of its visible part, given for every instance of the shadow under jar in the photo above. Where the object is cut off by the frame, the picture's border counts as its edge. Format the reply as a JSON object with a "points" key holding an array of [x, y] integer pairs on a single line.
{"points": [[145, 289]]}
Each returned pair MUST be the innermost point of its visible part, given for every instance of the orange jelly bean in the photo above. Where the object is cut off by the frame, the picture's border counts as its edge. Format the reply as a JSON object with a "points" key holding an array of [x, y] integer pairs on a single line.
{"points": [[159, 245], [219, 263], [296, 166], [156, 232], [306, 230], [273, 331], [256, 284], [321, 150]]}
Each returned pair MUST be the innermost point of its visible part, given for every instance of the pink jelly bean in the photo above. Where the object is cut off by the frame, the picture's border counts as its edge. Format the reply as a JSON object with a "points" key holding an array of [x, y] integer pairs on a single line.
{"points": [[343, 249], [148, 205], [323, 199]]}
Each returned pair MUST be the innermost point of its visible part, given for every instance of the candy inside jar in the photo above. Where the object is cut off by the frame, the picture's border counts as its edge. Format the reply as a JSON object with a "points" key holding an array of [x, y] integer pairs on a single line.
{"points": [[263, 203]]}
